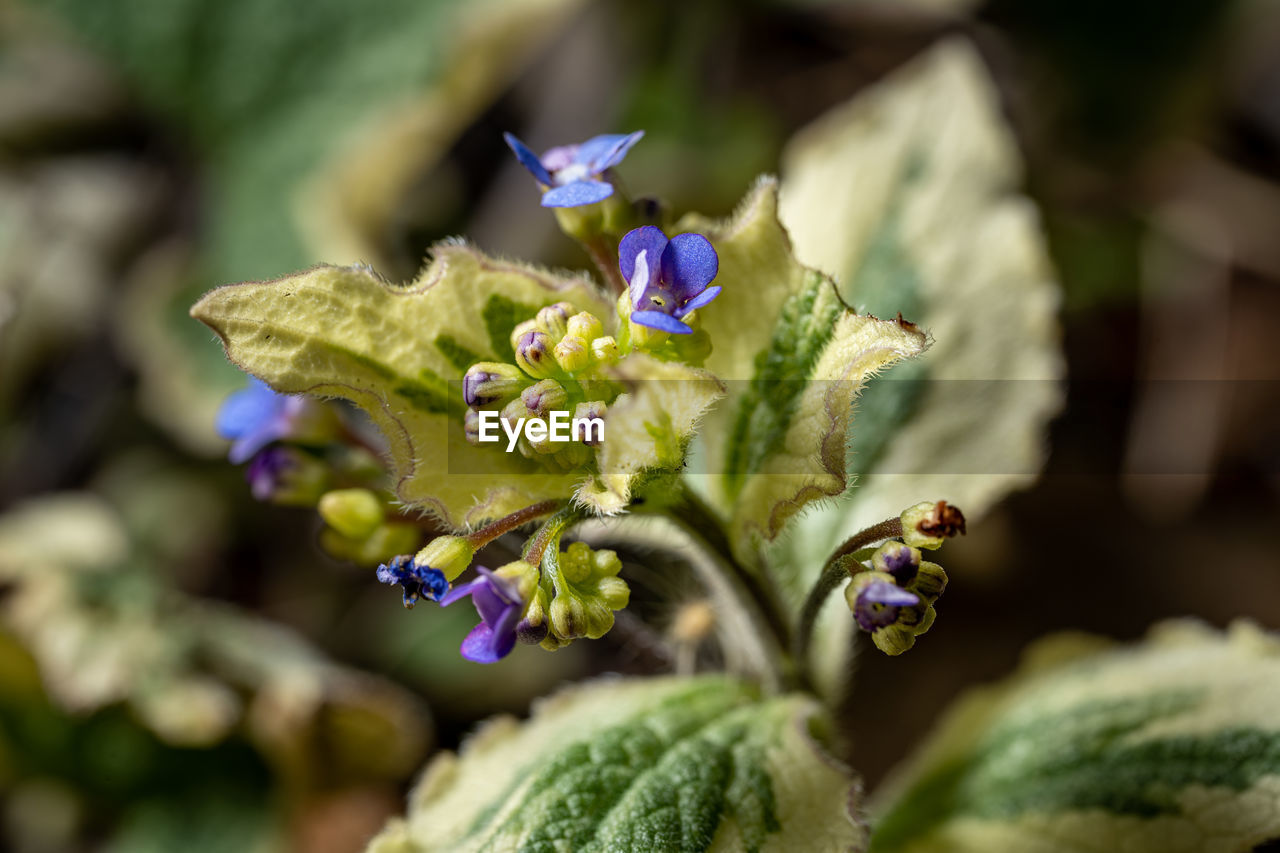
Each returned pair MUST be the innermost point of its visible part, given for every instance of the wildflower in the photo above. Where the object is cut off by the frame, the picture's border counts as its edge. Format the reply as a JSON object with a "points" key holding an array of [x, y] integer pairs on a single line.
{"points": [[668, 278], [895, 613], [499, 599], [418, 580], [570, 175], [256, 416]]}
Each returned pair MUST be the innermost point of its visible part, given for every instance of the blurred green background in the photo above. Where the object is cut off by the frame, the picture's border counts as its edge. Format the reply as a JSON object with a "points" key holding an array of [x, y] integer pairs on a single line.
{"points": [[182, 668]]}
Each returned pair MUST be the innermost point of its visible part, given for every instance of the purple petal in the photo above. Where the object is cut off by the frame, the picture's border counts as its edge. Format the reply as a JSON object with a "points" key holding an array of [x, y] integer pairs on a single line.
{"points": [[883, 592], [698, 301], [489, 604], [482, 645], [606, 151], [662, 322], [688, 265], [528, 159], [560, 157], [459, 592], [648, 239], [577, 193]]}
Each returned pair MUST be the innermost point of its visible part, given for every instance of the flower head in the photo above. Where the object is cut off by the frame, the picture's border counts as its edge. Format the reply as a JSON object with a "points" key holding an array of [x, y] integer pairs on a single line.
{"points": [[286, 475], [417, 580], [667, 278], [570, 175], [256, 416], [499, 600]]}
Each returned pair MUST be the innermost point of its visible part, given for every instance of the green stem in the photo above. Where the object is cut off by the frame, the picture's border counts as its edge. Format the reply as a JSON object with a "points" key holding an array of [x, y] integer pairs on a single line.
{"points": [[833, 574], [549, 534]]}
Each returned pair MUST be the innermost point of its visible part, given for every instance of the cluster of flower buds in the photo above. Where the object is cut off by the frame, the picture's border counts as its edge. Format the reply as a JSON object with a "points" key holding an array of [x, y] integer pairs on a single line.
{"points": [[559, 356], [360, 526], [576, 598], [893, 602]]}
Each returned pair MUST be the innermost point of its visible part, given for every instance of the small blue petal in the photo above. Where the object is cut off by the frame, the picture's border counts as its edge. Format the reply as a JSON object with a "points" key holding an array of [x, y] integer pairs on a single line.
{"points": [[244, 447], [246, 410], [698, 301], [688, 265], [648, 239], [528, 159], [606, 151], [662, 322], [577, 193]]}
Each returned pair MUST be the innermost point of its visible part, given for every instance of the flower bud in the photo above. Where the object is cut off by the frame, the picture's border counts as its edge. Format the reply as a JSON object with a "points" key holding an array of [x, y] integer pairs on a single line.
{"points": [[586, 411], [614, 593], [521, 575], [571, 354], [585, 325], [355, 513], [568, 617], [448, 554], [490, 383], [288, 476], [534, 354], [521, 330], [899, 560], [604, 350], [544, 396], [471, 425], [554, 320], [928, 524]]}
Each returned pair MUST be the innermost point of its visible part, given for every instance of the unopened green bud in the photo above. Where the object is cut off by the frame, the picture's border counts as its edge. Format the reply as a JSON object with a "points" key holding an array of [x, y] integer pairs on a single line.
{"points": [[605, 350], [355, 513], [567, 617], [471, 426], [589, 410], [491, 383], [448, 554], [928, 524], [544, 396], [534, 355], [585, 325], [554, 319], [571, 354], [522, 575], [614, 593]]}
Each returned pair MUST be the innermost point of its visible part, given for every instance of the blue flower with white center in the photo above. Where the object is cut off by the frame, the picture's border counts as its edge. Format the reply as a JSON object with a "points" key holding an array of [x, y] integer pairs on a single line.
{"points": [[416, 580], [667, 279], [256, 416], [570, 175], [497, 600]]}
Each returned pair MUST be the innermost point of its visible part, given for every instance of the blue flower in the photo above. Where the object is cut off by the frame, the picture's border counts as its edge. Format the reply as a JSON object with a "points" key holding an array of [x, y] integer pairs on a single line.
{"points": [[256, 416], [417, 581], [570, 175], [667, 278], [500, 607]]}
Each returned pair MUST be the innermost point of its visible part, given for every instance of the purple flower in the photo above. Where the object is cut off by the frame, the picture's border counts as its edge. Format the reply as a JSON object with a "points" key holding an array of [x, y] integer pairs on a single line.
{"points": [[500, 607], [570, 174], [417, 581], [878, 603], [256, 416], [667, 278]]}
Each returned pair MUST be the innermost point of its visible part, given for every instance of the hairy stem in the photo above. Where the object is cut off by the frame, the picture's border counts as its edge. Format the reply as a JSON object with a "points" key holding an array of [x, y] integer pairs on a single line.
{"points": [[833, 574], [549, 533], [490, 532]]}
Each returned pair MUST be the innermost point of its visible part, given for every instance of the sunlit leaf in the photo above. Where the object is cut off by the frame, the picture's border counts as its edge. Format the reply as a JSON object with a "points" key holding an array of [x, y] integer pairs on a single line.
{"points": [[642, 764]]}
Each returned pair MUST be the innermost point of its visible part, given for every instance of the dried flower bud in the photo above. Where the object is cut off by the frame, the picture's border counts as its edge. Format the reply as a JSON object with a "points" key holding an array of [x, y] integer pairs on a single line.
{"points": [[928, 524]]}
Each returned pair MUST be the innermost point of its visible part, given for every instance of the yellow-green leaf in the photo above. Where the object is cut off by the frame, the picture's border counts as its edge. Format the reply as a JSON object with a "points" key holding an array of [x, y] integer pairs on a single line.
{"points": [[796, 358], [908, 195], [1166, 747], [679, 764], [400, 353]]}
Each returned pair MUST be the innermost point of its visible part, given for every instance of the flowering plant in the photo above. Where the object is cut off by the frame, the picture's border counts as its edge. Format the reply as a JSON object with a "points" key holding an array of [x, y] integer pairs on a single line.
{"points": [[713, 367]]}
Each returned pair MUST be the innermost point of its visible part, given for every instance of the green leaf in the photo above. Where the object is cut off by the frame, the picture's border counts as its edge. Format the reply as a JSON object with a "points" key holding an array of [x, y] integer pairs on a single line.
{"points": [[908, 194], [1170, 746], [680, 764], [800, 358], [343, 332]]}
